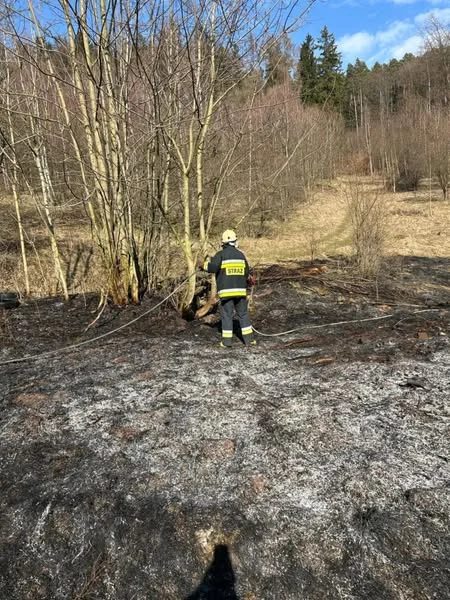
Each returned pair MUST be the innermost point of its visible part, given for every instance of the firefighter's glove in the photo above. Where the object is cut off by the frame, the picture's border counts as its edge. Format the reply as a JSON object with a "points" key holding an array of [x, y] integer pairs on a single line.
{"points": [[202, 263], [251, 280]]}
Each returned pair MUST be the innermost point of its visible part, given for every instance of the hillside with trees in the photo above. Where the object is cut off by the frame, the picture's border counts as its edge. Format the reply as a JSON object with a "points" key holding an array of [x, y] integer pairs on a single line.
{"points": [[130, 135]]}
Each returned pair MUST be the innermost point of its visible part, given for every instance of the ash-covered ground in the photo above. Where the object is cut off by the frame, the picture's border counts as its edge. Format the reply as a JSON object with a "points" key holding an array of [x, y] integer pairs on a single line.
{"points": [[152, 464]]}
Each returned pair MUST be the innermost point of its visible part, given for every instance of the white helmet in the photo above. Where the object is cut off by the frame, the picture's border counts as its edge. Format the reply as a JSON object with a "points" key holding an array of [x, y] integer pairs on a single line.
{"points": [[229, 237]]}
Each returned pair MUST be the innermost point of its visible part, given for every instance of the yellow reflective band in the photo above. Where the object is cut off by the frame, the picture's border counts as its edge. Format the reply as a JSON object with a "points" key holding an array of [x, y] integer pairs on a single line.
{"points": [[232, 292], [247, 330], [227, 334], [232, 295], [237, 264]]}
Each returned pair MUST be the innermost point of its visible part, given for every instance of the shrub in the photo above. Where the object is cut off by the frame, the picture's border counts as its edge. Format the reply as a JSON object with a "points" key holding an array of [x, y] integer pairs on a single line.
{"points": [[368, 217]]}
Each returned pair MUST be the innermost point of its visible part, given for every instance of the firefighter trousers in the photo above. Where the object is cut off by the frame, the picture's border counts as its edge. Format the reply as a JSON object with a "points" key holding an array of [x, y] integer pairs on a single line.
{"points": [[228, 307]]}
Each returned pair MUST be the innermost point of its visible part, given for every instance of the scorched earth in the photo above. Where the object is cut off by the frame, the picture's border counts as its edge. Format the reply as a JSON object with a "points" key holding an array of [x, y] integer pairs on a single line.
{"points": [[151, 464]]}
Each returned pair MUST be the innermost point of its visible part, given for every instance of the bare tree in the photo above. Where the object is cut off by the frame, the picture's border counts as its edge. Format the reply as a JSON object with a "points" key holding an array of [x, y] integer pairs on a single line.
{"points": [[437, 123], [437, 58], [12, 167], [26, 106], [140, 91], [204, 39]]}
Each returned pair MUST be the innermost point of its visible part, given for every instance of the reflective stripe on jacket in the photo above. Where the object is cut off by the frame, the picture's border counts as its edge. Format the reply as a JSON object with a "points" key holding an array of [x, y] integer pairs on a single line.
{"points": [[232, 271]]}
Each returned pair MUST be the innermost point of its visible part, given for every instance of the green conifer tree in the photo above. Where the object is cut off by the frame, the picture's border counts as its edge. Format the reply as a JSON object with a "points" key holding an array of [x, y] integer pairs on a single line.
{"points": [[306, 75], [329, 71]]}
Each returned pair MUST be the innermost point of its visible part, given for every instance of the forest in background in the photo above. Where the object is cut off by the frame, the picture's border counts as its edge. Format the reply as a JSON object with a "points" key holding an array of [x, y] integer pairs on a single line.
{"points": [[141, 129]]}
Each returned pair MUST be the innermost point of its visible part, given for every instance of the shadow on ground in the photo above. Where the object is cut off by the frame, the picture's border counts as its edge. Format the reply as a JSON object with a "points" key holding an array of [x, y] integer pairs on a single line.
{"points": [[218, 582]]}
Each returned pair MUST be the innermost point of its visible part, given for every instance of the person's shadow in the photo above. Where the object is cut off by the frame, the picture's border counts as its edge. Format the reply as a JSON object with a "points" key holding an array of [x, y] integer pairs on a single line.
{"points": [[218, 581]]}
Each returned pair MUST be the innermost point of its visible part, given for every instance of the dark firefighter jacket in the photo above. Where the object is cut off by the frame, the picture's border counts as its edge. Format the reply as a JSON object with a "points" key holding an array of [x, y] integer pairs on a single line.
{"points": [[232, 271]]}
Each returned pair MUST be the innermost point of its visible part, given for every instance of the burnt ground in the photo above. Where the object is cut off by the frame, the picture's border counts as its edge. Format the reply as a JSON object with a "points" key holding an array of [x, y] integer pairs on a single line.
{"points": [[151, 464]]}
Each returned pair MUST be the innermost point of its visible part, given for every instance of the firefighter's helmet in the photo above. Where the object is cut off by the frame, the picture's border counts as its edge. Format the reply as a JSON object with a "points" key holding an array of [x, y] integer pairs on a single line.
{"points": [[229, 237]]}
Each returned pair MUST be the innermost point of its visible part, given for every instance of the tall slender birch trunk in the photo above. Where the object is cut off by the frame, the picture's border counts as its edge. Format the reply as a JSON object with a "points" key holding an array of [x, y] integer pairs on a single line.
{"points": [[14, 184]]}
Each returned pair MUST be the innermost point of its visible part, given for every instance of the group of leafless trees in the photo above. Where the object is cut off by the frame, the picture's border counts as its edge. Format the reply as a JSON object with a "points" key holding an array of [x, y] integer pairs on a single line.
{"points": [[136, 110], [157, 119], [400, 114]]}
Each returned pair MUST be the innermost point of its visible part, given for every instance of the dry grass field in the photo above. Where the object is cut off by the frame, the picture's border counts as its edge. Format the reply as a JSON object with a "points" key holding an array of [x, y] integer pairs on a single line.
{"points": [[417, 224]]}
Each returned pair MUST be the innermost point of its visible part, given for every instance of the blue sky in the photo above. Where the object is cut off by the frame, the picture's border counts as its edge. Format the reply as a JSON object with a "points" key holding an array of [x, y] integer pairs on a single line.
{"points": [[374, 30]]}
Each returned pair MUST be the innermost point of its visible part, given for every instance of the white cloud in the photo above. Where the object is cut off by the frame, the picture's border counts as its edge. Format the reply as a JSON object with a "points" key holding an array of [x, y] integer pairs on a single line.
{"points": [[356, 44], [395, 31], [442, 15], [381, 45], [396, 40], [411, 45]]}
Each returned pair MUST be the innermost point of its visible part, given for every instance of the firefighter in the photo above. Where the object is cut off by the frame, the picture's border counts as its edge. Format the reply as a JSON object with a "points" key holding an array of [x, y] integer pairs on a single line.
{"points": [[233, 275]]}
